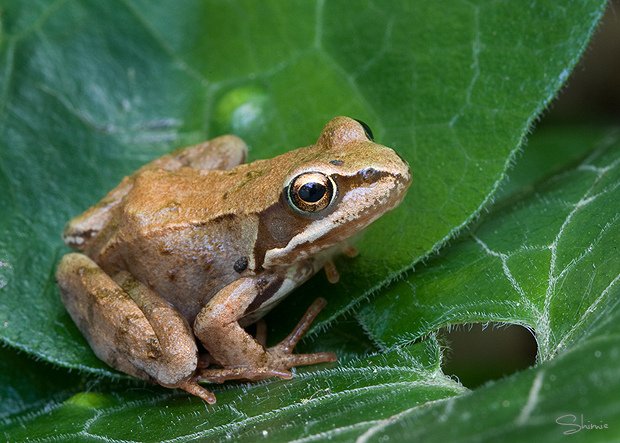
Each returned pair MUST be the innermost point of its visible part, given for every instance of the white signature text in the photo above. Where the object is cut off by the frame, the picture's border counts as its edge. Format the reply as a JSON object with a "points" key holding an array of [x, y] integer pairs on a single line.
{"points": [[571, 420]]}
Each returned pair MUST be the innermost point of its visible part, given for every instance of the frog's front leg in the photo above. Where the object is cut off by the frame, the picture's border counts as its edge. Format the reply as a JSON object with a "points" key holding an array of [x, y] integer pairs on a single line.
{"points": [[240, 355], [129, 326]]}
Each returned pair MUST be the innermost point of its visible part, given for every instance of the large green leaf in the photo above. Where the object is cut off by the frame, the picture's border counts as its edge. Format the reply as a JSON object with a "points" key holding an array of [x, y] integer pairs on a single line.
{"points": [[94, 89], [548, 260], [330, 404], [548, 403], [402, 395]]}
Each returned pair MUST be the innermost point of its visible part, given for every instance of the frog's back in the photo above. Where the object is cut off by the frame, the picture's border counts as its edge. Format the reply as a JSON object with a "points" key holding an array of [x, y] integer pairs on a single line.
{"points": [[222, 153], [171, 236]]}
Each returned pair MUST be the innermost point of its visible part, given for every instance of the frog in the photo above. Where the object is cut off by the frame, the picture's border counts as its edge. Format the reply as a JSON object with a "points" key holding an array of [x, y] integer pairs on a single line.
{"points": [[177, 261]]}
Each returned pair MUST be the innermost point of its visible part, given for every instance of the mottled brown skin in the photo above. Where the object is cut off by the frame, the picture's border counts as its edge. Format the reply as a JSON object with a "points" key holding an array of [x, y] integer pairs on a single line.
{"points": [[194, 245]]}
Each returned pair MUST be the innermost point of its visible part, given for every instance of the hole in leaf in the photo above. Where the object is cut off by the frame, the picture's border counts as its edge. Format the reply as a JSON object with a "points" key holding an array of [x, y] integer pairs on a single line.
{"points": [[478, 353]]}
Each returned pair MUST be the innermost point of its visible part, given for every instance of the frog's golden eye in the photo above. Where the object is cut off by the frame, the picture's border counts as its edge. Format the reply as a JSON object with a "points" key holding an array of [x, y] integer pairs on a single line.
{"points": [[311, 192]]}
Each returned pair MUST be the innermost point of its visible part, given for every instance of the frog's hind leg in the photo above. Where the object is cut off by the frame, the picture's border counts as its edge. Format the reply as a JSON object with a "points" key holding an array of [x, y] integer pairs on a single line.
{"points": [[128, 326]]}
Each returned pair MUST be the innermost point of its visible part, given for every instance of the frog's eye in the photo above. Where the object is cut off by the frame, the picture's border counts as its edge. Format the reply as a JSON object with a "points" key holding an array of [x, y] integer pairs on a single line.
{"points": [[311, 192], [367, 130]]}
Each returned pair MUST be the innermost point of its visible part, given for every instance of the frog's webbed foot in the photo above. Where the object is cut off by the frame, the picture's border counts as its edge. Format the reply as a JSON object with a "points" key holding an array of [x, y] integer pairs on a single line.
{"points": [[192, 386], [286, 346], [280, 358]]}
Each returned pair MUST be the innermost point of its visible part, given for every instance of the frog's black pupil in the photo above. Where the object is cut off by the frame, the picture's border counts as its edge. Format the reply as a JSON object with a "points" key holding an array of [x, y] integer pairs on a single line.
{"points": [[312, 192], [367, 130]]}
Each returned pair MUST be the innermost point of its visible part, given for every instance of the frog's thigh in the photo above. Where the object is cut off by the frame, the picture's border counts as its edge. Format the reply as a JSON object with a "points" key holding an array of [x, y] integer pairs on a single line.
{"points": [[221, 153], [154, 345]]}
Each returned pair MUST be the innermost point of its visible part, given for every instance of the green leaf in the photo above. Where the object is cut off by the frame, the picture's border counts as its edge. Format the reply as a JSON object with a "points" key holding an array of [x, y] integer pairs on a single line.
{"points": [[382, 396], [550, 261], [27, 386], [548, 403], [452, 88], [545, 261], [379, 386]]}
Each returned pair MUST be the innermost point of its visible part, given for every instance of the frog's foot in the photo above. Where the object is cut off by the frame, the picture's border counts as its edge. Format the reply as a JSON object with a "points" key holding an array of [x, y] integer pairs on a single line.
{"points": [[280, 357], [286, 346], [206, 360]]}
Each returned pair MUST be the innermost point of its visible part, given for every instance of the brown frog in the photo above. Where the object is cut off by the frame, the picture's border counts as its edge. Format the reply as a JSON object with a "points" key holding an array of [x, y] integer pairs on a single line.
{"points": [[197, 245]]}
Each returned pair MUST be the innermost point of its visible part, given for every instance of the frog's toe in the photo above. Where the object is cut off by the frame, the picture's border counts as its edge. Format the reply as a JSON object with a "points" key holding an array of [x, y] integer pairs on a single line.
{"points": [[285, 360], [194, 388], [220, 375], [281, 355], [302, 327]]}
